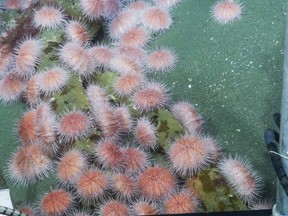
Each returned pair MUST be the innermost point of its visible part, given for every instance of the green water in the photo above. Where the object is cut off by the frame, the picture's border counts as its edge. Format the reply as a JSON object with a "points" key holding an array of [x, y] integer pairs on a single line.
{"points": [[233, 73]]}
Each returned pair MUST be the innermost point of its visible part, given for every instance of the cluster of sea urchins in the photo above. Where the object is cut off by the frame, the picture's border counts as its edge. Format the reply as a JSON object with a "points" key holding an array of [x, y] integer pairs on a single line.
{"points": [[118, 177]]}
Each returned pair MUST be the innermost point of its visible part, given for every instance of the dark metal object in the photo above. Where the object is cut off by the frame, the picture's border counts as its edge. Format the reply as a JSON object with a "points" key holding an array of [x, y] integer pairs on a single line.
{"points": [[272, 139]]}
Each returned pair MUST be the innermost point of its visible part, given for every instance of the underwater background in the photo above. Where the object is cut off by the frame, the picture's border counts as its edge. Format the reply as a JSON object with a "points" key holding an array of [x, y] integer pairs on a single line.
{"points": [[232, 73]]}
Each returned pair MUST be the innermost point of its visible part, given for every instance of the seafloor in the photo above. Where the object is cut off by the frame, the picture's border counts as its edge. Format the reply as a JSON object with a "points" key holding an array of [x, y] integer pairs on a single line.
{"points": [[232, 73]]}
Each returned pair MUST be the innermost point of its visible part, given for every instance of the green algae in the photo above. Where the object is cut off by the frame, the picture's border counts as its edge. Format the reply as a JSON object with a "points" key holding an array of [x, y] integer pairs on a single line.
{"points": [[86, 145], [70, 98], [3, 183], [168, 128], [106, 79], [214, 192], [51, 40], [9, 18], [72, 8]]}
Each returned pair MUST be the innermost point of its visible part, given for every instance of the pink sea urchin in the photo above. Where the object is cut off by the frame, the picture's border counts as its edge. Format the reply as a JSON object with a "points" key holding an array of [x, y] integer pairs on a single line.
{"points": [[156, 19], [93, 9], [53, 79], [70, 166], [156, 182], [77, 32], [109, 154], [115, 208], [92, 184], [239, 174], [136, 37], [189, 154], [126, 84], [74, 125], [27, 56], [145, 133], [78, 58], [227, 11], [124, 186], [48, 17], [161, 60], [181, 202], [125, 21], [144, 207], [187, 114], [28, 164], [57, 202], [11, 87], [166, 4], [151, 96]]}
